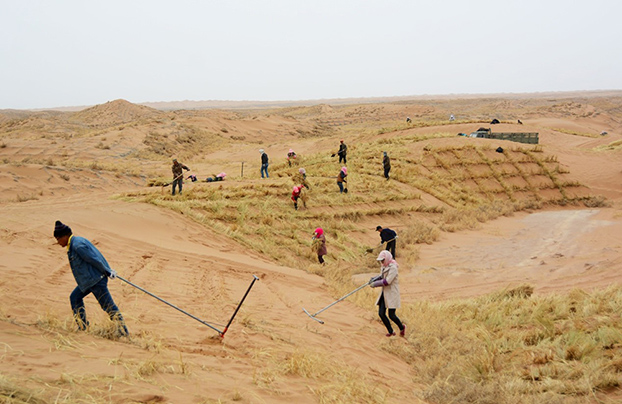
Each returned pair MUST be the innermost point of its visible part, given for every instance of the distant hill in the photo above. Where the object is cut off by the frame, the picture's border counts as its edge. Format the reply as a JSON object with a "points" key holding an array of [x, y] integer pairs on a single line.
{"points": [[115, 112], [258, 104]]}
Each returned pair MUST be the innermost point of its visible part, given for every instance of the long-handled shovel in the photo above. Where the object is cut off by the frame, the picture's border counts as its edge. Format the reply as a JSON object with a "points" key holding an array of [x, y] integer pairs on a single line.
{"points": [[169, 183], [221, 333], [333, 303], [380, 245]]}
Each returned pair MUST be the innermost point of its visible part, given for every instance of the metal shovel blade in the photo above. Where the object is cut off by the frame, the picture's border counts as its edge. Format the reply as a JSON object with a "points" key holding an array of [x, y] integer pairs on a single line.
{"points": [[313, 317]]}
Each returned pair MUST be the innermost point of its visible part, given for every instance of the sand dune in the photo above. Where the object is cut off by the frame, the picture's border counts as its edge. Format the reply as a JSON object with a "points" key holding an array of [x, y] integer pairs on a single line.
{"points": [[72, 167]]}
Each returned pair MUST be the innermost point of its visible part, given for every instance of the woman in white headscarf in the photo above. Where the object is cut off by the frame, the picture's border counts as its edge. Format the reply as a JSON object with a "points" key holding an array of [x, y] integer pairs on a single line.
{"points": [[390, 295], [341, 178]]}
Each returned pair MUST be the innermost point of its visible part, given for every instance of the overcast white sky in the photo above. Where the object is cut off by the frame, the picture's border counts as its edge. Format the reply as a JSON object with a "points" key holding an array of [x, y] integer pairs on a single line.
{"points": [[71, 53]]}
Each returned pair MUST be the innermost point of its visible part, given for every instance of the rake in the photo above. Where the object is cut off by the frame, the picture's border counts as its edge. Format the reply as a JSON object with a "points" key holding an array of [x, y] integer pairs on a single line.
{"points": [[334, 303], [221, 333]]}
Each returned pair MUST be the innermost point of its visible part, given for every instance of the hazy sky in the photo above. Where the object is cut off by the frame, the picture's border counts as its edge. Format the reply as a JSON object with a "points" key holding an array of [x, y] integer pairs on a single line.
{"points": [[68, 53]]}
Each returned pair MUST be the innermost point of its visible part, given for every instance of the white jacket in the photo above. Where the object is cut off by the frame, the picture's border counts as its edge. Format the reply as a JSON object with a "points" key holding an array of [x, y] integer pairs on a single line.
{"points": [[391, 291]]}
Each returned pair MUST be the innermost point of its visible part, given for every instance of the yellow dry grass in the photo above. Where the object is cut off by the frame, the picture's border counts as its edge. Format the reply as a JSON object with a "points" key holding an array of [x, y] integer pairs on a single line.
{"points": [[512, 347], [505, 347], [472, 184]]}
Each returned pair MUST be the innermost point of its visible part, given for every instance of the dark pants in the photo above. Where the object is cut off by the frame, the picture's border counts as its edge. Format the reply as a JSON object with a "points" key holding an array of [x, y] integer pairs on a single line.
{"points": [[178, 183], [386, 172], [320, 258], [391, 247], [101, 293], [340, 186], [342, 157], [382, 312]]}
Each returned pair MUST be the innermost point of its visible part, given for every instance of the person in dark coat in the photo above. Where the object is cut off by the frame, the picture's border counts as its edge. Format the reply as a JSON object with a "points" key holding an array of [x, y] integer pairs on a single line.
{"points": [[388, 236], [343, 151], [264, 163], [91, 272], [178, 175], [386, 165]]}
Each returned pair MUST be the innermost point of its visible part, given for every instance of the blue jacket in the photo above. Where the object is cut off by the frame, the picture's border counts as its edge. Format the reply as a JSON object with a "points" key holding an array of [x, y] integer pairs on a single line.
{"points": [[88, 265]]}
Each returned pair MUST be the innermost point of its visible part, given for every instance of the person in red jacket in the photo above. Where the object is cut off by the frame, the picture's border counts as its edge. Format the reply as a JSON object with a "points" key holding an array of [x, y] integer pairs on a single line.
{"points": [[296, 195]]}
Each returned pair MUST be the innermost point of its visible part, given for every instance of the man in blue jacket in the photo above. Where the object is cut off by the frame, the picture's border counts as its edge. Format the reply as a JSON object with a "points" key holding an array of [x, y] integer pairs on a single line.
{"points": [[388, 236], [91, 272]]}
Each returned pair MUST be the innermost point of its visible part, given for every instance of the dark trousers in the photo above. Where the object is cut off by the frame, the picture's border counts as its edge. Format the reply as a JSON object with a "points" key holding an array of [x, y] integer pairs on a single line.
{"points": [[342, 157], [320, 258], [382, 312], [386, 172], [178, 183], [101, 293], [391, 247]]}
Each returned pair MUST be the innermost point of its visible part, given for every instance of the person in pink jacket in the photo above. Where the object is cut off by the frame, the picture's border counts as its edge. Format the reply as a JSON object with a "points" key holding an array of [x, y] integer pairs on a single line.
{"points": [[390, 294]]}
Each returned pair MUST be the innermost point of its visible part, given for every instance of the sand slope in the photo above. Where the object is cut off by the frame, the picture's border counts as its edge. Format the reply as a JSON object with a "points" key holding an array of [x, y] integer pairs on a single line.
{"points": [[273, 353]]}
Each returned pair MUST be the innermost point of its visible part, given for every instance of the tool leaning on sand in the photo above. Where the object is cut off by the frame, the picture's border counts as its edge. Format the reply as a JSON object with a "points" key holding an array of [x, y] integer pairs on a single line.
{"points": [[221, 333]]}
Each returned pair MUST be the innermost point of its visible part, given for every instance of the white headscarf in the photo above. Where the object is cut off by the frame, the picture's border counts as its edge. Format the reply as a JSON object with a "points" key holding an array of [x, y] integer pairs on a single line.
{"points": [[387, 257]]}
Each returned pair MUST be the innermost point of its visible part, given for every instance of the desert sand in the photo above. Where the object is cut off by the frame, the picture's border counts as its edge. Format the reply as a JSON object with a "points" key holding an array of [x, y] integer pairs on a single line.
{"points": [[173, 358]]}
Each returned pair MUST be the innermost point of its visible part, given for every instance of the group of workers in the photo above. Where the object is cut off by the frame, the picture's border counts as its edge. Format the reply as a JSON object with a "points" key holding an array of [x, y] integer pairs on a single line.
{"points": [[91, 270], [178, 168]]}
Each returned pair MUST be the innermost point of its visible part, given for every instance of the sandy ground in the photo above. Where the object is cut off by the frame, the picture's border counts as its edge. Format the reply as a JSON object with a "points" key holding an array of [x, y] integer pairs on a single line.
{"points": [[206, 274]]}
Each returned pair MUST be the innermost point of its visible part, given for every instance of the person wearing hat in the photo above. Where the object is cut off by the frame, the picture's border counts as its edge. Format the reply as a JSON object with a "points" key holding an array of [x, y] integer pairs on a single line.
{"points": [[386, 165], [343, 151], [389, 297], [264, 163], [91, 272], [178, 175], [301, 178], [319, 244], [388, 236]]}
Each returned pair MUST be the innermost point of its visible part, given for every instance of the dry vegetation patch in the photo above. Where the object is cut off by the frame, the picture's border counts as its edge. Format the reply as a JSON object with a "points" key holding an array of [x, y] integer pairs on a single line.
{"points": [[472, 183], [513, 347]]}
